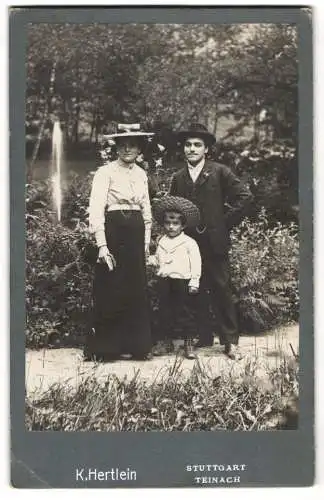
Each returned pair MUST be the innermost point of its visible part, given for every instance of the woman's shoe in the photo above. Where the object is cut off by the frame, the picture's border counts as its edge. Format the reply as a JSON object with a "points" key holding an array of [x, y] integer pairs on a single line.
{"points": [[143, 357], [99, 357], [88, 356], [109, 358], [204, 343]]}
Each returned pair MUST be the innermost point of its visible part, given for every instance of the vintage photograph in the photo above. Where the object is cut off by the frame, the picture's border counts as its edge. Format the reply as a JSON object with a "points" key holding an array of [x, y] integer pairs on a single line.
{"points": [[162, 227]]}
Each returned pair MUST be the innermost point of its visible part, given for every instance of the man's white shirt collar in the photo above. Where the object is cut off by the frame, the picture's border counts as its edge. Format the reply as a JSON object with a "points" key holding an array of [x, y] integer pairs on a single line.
{"points": [[194, 170]]}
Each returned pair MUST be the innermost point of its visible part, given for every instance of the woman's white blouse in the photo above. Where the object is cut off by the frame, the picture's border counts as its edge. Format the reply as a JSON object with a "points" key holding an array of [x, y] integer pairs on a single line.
{"points": [[115, 184]]}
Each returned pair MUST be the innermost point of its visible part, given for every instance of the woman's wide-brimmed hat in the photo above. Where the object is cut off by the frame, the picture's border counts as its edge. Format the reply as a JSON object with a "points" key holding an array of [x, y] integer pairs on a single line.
{"points": [[196, 130], [176, 204], [129, 130]]}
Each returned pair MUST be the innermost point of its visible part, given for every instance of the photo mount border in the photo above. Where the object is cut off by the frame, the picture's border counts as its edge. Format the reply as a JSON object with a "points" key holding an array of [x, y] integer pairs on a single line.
{"points": [[49, 459]]}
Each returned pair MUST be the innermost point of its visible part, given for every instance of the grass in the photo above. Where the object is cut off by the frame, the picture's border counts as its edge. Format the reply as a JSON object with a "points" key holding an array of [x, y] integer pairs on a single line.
{"points": [[239, 400]]}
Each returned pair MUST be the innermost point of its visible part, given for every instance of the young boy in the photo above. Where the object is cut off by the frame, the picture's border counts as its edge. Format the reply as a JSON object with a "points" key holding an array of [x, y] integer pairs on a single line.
{"points": [[178, 268]]}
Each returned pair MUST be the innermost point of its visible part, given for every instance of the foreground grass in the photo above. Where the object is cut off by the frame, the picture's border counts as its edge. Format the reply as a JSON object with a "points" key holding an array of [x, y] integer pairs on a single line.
{"points": [[198, 402]]}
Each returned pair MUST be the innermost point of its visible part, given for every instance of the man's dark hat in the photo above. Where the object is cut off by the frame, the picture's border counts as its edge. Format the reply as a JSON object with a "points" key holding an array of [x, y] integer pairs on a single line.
{"points": [[197, 130], [177, 204]]}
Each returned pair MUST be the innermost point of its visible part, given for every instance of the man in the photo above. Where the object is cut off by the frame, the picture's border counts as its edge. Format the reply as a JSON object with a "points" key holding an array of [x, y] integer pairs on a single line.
{"points": [[212, 186]]}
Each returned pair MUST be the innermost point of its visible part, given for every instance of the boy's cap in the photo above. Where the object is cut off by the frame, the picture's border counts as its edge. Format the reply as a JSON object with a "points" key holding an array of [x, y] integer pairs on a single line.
{"points": [[176, 204]]}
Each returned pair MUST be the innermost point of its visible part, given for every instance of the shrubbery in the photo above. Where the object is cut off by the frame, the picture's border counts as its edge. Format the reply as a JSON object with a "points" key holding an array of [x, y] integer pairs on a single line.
{"points": [[264, 260], [271, 170], [59, 264], [60, 259]]}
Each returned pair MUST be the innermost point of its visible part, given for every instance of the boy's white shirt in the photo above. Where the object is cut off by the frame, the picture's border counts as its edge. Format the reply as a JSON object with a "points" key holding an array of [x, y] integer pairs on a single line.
{"points": [[178, 258]]}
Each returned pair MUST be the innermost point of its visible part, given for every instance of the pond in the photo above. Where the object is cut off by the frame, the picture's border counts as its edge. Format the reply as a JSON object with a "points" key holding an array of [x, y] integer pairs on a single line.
{"points": [[42, 168]]}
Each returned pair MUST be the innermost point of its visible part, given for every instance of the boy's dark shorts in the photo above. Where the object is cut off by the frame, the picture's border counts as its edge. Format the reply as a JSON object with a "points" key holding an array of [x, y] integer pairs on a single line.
{"points": [[174, 316]]}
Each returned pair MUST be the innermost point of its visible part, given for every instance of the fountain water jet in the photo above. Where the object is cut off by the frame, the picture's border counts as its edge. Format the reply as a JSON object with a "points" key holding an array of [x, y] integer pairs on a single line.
{"points": [[57, 149]]}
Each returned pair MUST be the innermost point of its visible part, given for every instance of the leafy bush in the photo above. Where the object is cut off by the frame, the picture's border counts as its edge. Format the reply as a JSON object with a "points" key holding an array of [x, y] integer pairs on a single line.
{"points": [[60, 259], [264, 261], [76, 199], [59, 263], [174, 403], [271, 170], [58, 282]]}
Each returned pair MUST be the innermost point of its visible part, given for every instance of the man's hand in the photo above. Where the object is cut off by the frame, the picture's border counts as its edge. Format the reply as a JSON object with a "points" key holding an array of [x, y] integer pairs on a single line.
{"points": [[193, 290], [107, 258]]}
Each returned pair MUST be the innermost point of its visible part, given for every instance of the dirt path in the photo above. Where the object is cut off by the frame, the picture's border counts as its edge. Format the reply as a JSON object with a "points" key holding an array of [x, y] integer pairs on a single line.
{"points": [[49, 366]]}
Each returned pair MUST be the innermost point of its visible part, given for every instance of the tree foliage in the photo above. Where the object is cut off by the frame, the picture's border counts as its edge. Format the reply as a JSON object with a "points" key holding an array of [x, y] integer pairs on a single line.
{"points": [[168, 73], [239, 80]]}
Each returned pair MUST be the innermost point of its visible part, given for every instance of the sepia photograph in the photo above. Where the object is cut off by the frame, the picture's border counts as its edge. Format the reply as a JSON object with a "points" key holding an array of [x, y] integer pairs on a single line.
{"points": [[162, 227]]}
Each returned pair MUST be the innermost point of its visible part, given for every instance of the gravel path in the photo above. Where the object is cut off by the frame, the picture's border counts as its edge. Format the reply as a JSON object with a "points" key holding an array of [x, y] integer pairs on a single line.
{"points": [[263, 352]]}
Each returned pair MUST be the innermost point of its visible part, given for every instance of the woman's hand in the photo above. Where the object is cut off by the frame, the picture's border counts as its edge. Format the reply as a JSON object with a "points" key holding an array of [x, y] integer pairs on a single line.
{"points": [[147, 251], [106, 257], [151, 261]]}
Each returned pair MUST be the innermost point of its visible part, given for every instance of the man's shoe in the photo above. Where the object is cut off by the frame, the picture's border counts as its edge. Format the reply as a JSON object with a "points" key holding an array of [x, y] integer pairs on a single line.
{"points": [[188, 349], [232, 351]]}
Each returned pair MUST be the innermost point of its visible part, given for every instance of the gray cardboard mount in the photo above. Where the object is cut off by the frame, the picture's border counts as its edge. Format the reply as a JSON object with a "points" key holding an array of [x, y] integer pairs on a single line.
{"points": [[50, 459]]}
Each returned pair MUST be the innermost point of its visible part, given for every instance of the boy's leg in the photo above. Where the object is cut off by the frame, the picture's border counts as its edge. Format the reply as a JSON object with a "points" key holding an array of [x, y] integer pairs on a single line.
{"points": [[178, 297], [181, 315], [163, 323], [189, 351]]}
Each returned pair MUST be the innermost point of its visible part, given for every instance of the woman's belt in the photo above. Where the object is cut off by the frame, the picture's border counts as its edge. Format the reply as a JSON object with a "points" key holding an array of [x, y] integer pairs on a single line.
{"points": [[123, 206]]}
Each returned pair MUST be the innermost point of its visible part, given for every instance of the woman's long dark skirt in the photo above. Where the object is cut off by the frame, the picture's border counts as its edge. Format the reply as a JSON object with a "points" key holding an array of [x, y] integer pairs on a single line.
{"points": [[121, 323]]}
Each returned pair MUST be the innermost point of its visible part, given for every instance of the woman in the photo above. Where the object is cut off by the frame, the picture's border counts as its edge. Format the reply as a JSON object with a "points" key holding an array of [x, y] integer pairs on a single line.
{"points": [[120, 218]]}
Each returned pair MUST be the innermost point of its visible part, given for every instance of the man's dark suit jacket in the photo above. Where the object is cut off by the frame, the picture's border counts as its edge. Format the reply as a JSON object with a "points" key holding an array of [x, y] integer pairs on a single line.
{"points": [[221, 197]]}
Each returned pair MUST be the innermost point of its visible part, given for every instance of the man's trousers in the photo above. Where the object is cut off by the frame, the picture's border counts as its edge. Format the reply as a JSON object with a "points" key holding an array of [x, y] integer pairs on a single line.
{"points": [[215, 291]]}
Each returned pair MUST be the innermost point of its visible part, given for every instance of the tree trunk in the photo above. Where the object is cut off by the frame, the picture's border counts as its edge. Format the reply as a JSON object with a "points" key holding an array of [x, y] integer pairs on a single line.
{"points": [[76, 122], [44, 118], [215, 122], [66, 119], [97, 131], [93, 125]]}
